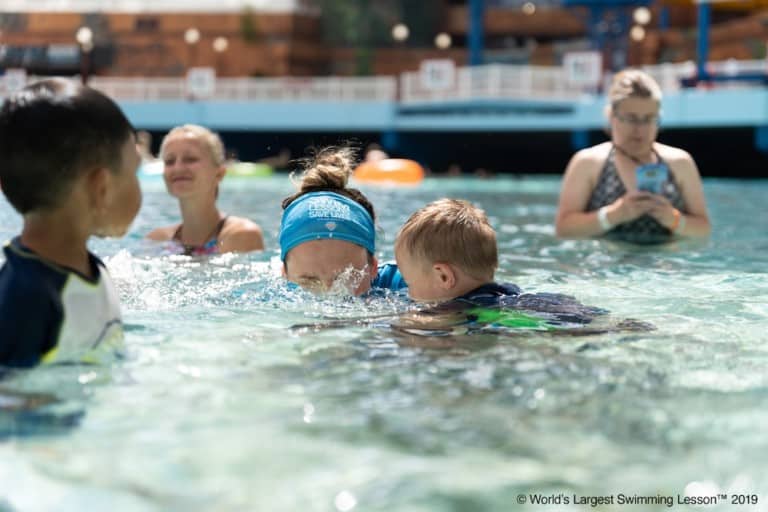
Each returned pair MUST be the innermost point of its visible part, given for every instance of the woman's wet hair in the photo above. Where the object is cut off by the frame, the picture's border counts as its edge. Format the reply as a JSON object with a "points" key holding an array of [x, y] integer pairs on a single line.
{"points": [[51, 132], [633, 83], [329, 171]]}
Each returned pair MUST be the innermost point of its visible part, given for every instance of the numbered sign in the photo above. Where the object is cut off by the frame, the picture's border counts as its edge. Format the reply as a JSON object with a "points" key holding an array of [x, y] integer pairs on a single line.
{"points": [[14, 80], [437, 74], [583, 69], [201, 82]]}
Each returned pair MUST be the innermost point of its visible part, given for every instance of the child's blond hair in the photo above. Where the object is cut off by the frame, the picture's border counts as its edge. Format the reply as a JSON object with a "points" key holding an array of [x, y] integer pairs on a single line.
{"points": [[451, 231]]}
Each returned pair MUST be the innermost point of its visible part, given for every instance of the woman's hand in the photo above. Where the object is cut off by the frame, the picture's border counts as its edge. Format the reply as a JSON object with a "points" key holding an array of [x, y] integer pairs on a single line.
{"points": [[663, 211], [630, 206]]}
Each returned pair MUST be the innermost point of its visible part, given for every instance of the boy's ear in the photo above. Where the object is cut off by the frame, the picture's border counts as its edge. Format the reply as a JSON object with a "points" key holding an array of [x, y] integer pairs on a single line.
{"points": [[99, 191], [445, 275]]}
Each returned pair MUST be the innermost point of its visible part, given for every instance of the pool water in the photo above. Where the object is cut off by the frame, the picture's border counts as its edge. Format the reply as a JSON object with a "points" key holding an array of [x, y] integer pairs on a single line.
{"points": [[220, 406]]}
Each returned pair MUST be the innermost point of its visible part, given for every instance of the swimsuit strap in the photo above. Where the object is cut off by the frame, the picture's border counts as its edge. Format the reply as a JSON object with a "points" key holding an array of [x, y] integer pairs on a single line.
{"points": [[177, 233], [633, 157], [220, 225], [210, 241]]}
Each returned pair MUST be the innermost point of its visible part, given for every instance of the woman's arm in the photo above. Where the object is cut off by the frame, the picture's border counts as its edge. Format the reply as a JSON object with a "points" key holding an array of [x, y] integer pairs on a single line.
{"points": [[571, 220], [162, 234], [695, 221]]}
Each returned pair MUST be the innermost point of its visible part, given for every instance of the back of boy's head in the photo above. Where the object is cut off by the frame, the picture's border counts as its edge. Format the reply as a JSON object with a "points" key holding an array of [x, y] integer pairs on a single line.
{"points": [[51, 132], [451, 231]]}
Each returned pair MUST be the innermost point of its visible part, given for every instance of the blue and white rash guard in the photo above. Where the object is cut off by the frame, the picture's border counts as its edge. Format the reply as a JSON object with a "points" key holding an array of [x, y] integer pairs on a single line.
{"points": [[49, 313], [389, 277]]}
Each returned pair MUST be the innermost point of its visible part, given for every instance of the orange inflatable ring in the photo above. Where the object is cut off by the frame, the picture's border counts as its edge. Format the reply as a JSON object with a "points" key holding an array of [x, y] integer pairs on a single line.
{"points": [[390, 170]]}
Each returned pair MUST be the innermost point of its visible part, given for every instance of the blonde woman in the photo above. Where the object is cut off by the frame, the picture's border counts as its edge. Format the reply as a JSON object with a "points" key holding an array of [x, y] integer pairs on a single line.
{"points": [[193, 158], [600, 194]]}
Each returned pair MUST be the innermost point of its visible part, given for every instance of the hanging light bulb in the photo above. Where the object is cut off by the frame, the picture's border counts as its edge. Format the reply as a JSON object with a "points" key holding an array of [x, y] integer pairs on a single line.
{"points": [[443, 41]]}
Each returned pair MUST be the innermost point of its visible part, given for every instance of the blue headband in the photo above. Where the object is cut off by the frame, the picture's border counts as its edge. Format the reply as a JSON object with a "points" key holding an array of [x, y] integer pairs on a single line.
{"points": [[319, 215]]}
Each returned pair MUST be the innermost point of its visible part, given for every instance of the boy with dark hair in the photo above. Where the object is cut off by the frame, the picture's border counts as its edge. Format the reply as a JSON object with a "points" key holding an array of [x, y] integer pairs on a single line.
{"points": [[68, 164]]}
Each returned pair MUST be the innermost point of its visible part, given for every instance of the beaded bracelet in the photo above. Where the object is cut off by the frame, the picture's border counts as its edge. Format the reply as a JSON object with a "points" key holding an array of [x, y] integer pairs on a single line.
{"points": [[679, 224]]}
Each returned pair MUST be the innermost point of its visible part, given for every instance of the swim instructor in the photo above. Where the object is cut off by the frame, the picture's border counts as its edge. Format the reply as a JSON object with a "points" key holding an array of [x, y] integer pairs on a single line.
{"points": [[327, 232]]}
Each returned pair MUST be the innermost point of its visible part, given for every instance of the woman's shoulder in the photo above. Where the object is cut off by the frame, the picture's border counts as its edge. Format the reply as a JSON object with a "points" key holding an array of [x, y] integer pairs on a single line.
{"points": [[671, 154], [589, 161], [163, 234], [241, 234], [240, 225], [679, 160], [593, 155]]}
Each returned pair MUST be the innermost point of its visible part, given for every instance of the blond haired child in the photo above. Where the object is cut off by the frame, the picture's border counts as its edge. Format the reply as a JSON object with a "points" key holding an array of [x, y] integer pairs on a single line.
{"points": [[445, 250], [447, 253]]}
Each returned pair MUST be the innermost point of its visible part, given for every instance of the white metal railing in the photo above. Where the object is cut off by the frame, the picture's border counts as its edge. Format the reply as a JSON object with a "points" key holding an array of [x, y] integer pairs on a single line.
{"points": [[733, 67], [552, 83], [382, 88], [493, 81], [668, 76]]}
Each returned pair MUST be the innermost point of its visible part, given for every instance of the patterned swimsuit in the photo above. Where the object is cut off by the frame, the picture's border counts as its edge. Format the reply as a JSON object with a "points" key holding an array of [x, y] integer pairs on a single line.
{"points": [[644, 229], [209, 247]]}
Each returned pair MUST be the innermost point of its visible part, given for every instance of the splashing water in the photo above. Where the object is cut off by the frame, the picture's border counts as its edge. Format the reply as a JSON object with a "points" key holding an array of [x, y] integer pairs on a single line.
{"points": [[219, 405]]}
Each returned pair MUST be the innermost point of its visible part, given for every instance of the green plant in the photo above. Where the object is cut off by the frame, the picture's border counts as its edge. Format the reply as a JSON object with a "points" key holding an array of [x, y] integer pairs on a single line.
{"points": [[248, 28]]}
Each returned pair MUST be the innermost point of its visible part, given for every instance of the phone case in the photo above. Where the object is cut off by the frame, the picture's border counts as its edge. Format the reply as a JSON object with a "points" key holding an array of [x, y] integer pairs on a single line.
{"points": [[651, 177]]}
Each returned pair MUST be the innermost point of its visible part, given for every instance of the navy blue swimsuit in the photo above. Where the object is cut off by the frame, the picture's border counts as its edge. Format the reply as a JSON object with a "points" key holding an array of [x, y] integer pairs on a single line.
{"points": [[389, 278], [49, 313], [559, 309]]}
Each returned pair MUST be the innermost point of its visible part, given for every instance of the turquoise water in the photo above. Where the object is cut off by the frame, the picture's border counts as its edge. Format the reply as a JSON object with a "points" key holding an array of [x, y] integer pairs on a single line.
{"points": [[220, 406]]}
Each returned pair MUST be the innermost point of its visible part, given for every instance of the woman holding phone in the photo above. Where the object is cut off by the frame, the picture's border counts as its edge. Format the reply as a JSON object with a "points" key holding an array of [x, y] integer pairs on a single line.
{"points": [[632, 187]]}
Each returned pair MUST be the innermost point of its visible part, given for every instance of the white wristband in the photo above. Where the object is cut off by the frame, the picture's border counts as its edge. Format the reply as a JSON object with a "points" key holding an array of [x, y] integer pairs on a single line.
{"points": [[602, 218]]}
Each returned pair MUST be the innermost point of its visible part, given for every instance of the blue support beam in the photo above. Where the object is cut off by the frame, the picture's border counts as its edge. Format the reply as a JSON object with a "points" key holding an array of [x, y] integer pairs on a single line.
{"points": [[390, 141], [761, 139], [702, 53], [476, 32], [664, 18], [596, 33], [579, 139]]}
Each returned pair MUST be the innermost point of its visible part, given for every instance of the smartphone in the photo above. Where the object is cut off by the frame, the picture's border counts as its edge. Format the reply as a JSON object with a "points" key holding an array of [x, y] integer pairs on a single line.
{"points": [[651, 177]]}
